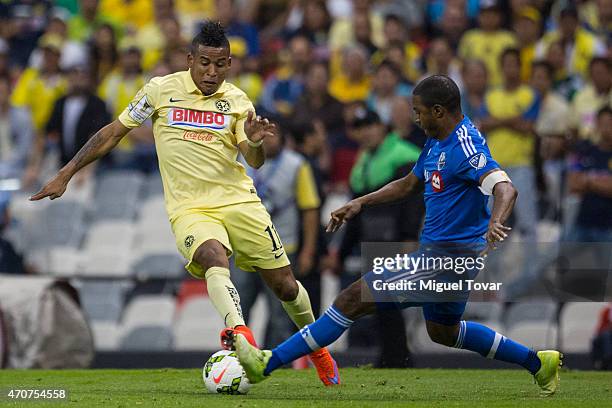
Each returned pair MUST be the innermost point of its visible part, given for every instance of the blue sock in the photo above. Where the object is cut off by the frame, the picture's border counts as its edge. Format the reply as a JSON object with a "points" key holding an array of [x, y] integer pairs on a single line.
{"points": [[325, 330], [490, 344]]}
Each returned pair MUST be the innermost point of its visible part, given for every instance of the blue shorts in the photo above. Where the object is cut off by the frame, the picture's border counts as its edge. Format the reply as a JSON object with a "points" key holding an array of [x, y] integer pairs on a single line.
{"points": [[439, 288]]}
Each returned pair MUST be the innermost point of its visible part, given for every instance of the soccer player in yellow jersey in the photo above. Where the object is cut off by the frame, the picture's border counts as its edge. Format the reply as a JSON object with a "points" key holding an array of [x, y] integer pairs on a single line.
{"points": [[200, 123]]}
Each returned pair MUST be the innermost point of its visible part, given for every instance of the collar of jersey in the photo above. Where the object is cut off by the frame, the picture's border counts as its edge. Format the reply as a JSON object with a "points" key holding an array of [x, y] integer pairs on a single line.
{"points": [[191, 87], [451, 137]]}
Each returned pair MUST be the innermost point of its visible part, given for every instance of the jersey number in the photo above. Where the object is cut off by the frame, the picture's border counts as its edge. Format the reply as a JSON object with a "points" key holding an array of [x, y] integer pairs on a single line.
{"points": [[272, 232]]}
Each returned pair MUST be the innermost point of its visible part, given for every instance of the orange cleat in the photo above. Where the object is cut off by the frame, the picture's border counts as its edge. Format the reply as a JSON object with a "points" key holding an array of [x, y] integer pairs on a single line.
{"points": [[227, 336], [326, 367]]}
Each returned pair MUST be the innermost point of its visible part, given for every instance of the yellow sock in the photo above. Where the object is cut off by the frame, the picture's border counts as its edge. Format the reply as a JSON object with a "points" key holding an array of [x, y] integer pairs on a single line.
{"points": [[224, 296], [299, 309]]}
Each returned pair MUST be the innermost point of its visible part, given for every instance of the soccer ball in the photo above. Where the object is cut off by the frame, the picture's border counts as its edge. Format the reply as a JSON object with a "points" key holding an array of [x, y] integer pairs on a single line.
{"points": [[223, 374]]}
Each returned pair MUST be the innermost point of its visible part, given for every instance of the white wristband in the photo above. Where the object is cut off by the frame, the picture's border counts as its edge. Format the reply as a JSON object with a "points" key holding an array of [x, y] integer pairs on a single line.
{"points": [[254, 144]]}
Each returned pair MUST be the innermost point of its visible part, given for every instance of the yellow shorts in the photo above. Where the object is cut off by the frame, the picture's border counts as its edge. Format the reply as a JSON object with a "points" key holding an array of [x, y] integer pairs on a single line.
{"points": [[245, 230]]}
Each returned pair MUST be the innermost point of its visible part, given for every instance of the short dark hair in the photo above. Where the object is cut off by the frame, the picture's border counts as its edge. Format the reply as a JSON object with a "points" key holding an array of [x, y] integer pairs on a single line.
{"points": [[603, 111], [510, 51], [212, 34], [600, 60], [547, 66], [439, 90], [388, 64]]}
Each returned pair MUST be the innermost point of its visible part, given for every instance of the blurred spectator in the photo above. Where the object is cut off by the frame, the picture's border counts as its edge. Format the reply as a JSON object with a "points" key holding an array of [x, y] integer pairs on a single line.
{"points": [[385, 86], [316, 102], [120, 86], [76, 117], [512, 111], [342, 33], [39, 88], [441, 60], [239, 31], [597, 15], [82, 25], [452, 25], [287, 189], [172, 39], [580, 45], [131, 14], [16, 134], [566, 84], [192, 12], [249, 81], [526, 27], [362, 30], [396, 32], [151, 36], [10, 261], [352, 83], [551, 129], [104, 55], [402, 125], [383, 158], [176, 58], [590, 175], [436, 9], [4, 58], [73, 52], [488, 41], [474, 79], [285, 86], [311, 141], [596, 94], [21, 32], [312, 20]]}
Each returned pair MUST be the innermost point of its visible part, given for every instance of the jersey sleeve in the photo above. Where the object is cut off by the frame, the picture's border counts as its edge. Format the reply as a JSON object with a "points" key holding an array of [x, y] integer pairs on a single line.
{"points": [[472, 158], [142, 106], [417, 170], [307, 197], [246, 106]]}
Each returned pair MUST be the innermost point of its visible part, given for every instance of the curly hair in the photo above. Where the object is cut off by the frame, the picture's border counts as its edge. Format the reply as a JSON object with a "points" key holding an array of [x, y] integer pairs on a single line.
{"points": [[212, 34]]}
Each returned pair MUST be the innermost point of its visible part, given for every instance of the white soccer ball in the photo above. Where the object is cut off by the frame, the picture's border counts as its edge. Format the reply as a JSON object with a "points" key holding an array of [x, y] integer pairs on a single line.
{"points": [[223, 374]]}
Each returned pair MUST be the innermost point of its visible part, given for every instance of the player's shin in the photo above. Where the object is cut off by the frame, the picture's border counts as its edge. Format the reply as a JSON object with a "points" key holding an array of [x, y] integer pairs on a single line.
{"points": [[488, 343], [299, 309], [224, 296], [324, 331]]}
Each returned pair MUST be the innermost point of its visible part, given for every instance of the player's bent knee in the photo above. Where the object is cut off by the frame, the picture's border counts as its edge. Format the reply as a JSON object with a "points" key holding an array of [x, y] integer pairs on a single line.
{"points": [[286, 290], [211, 253], [442, 334]]}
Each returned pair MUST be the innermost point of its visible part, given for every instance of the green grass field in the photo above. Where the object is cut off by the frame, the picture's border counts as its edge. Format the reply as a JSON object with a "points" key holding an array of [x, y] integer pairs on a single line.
{"points": [[287, 388]]}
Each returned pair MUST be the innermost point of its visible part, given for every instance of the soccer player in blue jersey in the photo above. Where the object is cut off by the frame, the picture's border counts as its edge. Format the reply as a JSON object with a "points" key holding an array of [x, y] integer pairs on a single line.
{"points": [[458, 174]]}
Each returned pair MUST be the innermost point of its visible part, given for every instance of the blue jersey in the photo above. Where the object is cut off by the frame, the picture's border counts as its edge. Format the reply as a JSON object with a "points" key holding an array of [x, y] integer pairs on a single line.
{"points": [[455, 208]]}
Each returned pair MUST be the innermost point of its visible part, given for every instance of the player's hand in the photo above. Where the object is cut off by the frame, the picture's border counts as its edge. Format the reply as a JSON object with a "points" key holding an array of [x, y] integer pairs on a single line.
{"points": [[343, 214], [497, 232], [257, 128], [55, 188]]}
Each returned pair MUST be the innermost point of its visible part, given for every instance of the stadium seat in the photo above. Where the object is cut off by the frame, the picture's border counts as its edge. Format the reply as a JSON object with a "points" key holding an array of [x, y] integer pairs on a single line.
{"points": [[102, 300], [57, 261], [117, 195], [147, 338], [158, 265], [60, 224], [153, 186], [578, 324], [198, 326], [190, 288], [536, 335], [482, 311], [149, 310], [106, 335], [110, 237], [105, 263], [544, 312]]}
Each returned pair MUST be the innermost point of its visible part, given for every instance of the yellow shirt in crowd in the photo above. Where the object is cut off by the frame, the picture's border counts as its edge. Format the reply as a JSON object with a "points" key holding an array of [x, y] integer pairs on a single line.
{"points": [[509, 147], [488, 47], [196, 137], [38, 94]]}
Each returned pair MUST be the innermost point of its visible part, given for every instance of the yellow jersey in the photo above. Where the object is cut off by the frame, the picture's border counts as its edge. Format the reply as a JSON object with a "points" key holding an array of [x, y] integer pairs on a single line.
{"points": [[487, 47], [196, 137]]}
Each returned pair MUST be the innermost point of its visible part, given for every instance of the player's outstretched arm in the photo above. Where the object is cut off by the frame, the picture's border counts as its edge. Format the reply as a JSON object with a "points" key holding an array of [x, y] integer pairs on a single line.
{"points": [[394, 191], [100, 144], [504, 197]]}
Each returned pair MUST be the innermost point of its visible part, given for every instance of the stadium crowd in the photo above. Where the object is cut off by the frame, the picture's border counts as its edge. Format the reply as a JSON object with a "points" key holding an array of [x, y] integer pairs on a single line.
{"points": [[337, 75]]}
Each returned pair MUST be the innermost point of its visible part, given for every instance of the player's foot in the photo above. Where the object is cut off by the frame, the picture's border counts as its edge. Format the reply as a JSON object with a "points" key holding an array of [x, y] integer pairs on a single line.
{"points": [[252, 359], [547, 376], [227, 336], [326, 367]]}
